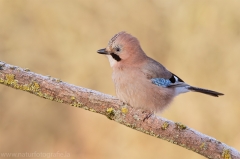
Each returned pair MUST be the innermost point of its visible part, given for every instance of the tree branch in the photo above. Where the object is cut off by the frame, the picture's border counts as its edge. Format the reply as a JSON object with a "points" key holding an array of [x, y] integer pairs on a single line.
{"points": [[56, 90]]}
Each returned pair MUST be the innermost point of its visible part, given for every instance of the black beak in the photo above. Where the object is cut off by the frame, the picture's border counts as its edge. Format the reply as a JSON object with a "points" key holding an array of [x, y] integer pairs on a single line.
{"points": [[102, 51]]}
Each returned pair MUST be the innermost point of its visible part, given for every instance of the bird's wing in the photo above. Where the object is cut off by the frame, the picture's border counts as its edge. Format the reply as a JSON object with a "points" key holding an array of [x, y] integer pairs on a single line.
{"points": [[160, 76], [168, 82]]}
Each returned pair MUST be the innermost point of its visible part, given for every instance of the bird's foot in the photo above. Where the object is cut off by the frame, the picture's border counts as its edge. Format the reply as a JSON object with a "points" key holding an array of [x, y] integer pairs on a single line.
{"points": [[148, 115]]}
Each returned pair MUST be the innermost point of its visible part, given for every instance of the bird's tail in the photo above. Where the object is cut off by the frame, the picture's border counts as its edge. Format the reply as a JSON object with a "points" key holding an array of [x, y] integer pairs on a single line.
{"points": [[205, 91]]}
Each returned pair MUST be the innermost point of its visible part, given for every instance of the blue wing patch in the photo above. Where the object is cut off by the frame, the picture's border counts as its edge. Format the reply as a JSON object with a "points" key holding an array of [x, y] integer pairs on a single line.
{"points": [[161, 82]]}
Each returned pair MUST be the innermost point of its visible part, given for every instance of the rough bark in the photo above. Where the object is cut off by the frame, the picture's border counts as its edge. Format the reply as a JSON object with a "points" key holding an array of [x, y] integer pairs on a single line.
{"points": [[56, 90]]}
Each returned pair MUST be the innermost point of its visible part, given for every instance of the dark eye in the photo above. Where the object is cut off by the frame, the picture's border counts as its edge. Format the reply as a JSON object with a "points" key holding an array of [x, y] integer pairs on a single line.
{"points": [[118, 49]]}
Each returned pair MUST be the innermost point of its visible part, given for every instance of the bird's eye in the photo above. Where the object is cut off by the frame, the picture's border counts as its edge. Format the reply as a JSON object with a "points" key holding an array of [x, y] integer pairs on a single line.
{"points": [[118, 49]]}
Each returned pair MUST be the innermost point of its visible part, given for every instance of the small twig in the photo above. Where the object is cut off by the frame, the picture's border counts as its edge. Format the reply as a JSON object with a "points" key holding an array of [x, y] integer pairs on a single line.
{"points": [[56, 90]]}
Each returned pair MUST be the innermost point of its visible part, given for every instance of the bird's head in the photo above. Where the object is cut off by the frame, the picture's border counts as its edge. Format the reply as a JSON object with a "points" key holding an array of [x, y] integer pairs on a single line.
{"points": [[122, 48]]}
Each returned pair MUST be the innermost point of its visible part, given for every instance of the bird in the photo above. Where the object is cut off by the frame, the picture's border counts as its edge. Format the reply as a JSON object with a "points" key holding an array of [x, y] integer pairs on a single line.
{"points": [[141, 81]]}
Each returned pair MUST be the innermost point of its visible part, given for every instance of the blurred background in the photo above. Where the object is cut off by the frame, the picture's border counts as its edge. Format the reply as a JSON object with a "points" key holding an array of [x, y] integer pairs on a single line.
{"points": [[197, 40]]}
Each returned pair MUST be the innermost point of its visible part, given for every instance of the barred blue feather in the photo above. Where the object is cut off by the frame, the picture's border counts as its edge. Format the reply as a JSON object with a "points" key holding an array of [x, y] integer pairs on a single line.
{"points": [[161, 82]]}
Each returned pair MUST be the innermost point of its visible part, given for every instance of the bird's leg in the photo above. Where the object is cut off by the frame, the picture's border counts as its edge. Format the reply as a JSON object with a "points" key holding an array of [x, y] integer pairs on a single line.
{"points": [[149, 114]]}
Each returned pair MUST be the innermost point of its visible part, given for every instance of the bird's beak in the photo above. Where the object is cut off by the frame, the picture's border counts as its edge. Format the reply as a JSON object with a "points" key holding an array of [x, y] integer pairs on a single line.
{"points": [[102, 51]]}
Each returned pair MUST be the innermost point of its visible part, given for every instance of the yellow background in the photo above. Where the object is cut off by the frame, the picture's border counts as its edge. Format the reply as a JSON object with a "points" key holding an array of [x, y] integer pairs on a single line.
{"points": [[197, 40]]}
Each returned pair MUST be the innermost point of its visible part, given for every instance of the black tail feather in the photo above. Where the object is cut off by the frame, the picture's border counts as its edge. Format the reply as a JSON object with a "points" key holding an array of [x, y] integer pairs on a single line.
{"points": [[205, 91]]}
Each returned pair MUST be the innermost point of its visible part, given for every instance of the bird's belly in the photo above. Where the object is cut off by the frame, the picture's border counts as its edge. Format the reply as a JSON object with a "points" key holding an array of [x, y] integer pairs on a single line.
{"points": [[144, 94]]}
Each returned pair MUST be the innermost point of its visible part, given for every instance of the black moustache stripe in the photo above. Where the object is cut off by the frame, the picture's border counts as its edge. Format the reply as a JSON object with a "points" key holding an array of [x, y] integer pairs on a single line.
{"points": [[116, 57]]}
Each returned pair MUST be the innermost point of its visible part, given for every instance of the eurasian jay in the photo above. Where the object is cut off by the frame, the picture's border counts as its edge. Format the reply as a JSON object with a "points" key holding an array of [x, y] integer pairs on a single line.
{"points": [[140, 80]]}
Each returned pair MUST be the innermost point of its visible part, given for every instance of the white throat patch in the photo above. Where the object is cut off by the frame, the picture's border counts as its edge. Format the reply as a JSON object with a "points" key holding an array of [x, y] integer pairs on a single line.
{"points": [[111, 60]]}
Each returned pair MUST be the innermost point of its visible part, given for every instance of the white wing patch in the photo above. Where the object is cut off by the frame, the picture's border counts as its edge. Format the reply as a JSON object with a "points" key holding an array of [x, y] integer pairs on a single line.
{"points": [[176, 78]]}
